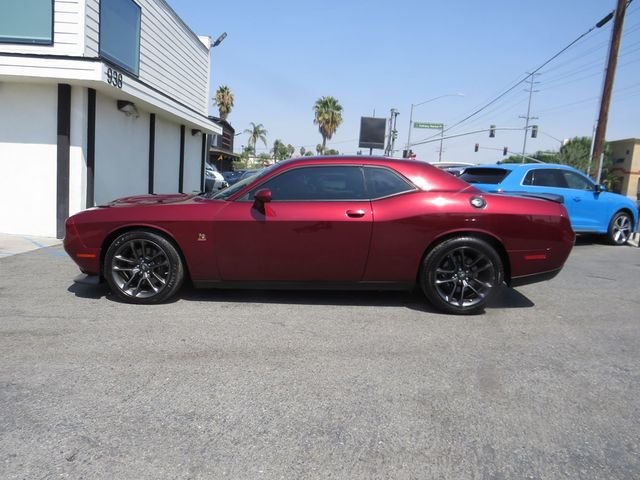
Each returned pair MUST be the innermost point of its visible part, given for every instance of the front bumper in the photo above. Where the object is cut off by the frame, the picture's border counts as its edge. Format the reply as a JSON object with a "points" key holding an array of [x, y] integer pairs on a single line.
{"points": [[87, 259]]}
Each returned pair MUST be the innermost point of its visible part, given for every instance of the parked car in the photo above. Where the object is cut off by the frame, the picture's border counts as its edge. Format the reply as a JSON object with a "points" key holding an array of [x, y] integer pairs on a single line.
{"points": [[232, 176], [213, 180], [249, 173], [591, 208], [454, 168], [339, 222]]}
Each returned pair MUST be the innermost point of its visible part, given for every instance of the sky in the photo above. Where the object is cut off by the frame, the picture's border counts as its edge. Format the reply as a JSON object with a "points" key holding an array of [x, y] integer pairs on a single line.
{"points": [[280, 56]]}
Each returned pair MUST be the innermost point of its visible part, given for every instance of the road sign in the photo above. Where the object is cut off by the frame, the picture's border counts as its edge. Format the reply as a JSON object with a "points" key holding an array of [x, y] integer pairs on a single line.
{"points": [[438, 126]]}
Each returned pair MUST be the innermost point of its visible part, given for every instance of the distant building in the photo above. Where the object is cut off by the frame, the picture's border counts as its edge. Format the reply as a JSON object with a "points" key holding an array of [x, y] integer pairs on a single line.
{"points": [[626, 167], [98, 99], [221, 146]]}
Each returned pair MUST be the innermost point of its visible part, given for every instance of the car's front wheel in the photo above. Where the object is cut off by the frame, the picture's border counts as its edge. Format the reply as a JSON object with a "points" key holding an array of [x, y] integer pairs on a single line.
{"points": [[143, 267], [619, 229], [461, 274]]}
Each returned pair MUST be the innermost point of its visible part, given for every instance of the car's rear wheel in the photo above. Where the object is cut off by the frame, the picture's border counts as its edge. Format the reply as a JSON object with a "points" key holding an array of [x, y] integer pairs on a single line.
{"points": [[143, 267], [619, 229], [461, 274]]}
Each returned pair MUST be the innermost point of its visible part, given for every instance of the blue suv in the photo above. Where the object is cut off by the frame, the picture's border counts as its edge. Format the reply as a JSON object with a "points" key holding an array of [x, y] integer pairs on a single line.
{"points": [[591, 208]]}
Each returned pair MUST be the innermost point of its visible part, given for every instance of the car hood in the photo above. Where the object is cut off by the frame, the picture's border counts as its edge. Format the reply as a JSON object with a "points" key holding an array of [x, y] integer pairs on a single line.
{"points": [[151, 199]]}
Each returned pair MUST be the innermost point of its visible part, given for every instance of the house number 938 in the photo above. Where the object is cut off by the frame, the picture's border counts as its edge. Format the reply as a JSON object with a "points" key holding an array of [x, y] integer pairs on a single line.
{"points": [[114, 78]]}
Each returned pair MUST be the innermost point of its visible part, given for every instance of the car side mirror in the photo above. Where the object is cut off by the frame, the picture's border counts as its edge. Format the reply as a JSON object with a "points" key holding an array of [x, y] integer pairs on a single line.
{"points": [[261, 197], [600, 188]]}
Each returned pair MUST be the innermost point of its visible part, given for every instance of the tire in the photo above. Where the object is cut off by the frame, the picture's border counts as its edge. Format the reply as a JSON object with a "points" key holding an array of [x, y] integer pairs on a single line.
{"points": [[619, 229], [461, 274], [143, 267]]}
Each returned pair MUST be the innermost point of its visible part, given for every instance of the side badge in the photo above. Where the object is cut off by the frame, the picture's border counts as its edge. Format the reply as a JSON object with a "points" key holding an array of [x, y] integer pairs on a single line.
{"points": [[202, 237]]}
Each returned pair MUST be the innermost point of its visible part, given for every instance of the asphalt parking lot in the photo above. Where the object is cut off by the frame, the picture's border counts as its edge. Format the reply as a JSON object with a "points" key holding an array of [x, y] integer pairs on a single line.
{"points": [[246, 384]]}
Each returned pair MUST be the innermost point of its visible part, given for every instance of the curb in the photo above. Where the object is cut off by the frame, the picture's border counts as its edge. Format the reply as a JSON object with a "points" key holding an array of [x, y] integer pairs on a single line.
{"points": [[634, 240]]}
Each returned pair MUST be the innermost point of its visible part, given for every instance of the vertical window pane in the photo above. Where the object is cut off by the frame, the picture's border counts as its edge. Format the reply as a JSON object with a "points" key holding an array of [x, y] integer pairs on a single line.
{"points": [[120, 33], [26, 21]]}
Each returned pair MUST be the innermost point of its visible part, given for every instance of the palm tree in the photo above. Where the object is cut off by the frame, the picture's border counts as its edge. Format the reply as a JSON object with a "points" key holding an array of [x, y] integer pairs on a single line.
{"points": [[328, 117], [224, 101], [256, 132]]}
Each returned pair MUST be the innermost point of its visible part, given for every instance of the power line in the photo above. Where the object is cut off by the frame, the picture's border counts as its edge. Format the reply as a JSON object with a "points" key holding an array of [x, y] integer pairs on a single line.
{"points": [[601, 23]]}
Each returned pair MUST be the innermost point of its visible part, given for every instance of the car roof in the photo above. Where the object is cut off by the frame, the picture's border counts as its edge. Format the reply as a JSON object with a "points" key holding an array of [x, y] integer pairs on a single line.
{"points": [[525, 166]]}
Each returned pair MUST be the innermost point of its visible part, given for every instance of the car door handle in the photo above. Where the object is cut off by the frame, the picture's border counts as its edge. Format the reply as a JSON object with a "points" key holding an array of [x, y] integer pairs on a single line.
{"points": [[355, 213], [577, 199]]}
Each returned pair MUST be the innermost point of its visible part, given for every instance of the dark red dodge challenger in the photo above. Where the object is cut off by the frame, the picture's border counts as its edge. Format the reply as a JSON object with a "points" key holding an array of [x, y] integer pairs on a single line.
{"points": [[325, 222]]}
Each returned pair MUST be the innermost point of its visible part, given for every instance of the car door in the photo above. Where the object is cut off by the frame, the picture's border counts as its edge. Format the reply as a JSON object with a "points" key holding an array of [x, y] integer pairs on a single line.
{"points": [[316, 228], [579, 202], [589, 210]]}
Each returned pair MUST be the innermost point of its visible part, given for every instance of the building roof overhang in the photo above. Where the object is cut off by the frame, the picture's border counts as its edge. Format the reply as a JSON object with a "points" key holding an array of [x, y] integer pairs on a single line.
{"points": [[93, 73]]}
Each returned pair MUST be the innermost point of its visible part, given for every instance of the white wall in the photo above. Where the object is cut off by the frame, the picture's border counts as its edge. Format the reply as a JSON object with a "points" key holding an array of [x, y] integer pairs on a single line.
{"points": [[28, 139], [192, 161], [167, 156], [169, 53], [92, 30], [68, 32], [122, 152], [78, 150]]}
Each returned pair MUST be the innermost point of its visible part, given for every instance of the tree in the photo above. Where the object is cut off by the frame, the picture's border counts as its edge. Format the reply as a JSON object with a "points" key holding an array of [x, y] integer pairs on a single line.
{"points": [[303, 151], [224, 101], [291, 150], [332, 151], [319, 149], [576, 153], [279, 151], [256, 132], [328, 117]]}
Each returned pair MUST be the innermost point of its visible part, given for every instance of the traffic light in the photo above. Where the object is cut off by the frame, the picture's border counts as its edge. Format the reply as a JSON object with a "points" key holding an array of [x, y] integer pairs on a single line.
{"points": [[405, 153], [492, 131], [534, 131], [476, 147], [504, 152]]}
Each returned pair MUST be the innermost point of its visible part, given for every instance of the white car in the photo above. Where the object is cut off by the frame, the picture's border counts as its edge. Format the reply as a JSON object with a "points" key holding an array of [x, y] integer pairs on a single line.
{"points": [[213, 179]]}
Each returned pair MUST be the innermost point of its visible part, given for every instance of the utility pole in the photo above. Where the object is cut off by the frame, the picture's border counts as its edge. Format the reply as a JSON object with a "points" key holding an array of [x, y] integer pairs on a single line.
{"points": [[528, 117], [601, 129], [393, 133], [441, 139]]}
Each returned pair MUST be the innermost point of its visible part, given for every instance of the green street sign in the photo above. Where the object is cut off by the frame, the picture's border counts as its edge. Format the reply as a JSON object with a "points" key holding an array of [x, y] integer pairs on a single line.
{"points": [[438, 126]]}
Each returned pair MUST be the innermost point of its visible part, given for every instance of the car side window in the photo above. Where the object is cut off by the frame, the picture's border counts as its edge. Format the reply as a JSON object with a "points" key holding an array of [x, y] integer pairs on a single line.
{"points": [[577, 181], [382, 182], [545, 177], [321, 183]]}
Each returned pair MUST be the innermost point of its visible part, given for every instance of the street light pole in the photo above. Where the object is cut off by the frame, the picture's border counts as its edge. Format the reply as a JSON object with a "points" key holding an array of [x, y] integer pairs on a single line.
{"points": [[422, 103]]}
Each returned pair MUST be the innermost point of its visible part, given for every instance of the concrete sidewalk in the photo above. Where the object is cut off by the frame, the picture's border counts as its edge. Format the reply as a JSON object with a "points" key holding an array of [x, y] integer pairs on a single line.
{"points": [[14, 244]]}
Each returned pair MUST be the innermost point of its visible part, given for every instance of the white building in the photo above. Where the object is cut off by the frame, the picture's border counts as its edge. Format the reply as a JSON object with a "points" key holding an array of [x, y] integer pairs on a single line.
{"points": [[98, 99]]}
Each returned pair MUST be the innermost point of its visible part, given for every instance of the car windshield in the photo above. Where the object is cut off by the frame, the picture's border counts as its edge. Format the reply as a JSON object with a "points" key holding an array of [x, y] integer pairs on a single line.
{"points": [[236, 187], [484, 175]]}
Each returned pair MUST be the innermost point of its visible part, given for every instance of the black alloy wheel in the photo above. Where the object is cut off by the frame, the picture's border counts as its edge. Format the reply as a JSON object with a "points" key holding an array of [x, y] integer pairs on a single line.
{"points": [[461, 274], [143, 267], [619, 229]]}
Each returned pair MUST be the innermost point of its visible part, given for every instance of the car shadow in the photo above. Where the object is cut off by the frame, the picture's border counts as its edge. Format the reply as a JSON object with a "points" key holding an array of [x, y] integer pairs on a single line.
{"points": [[583, 239], [505, 297], [89, 291]]}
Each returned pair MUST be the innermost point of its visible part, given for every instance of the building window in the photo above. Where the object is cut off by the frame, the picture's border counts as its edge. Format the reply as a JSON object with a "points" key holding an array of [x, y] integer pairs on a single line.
{"points": [[26, 21], [120, 33]]}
